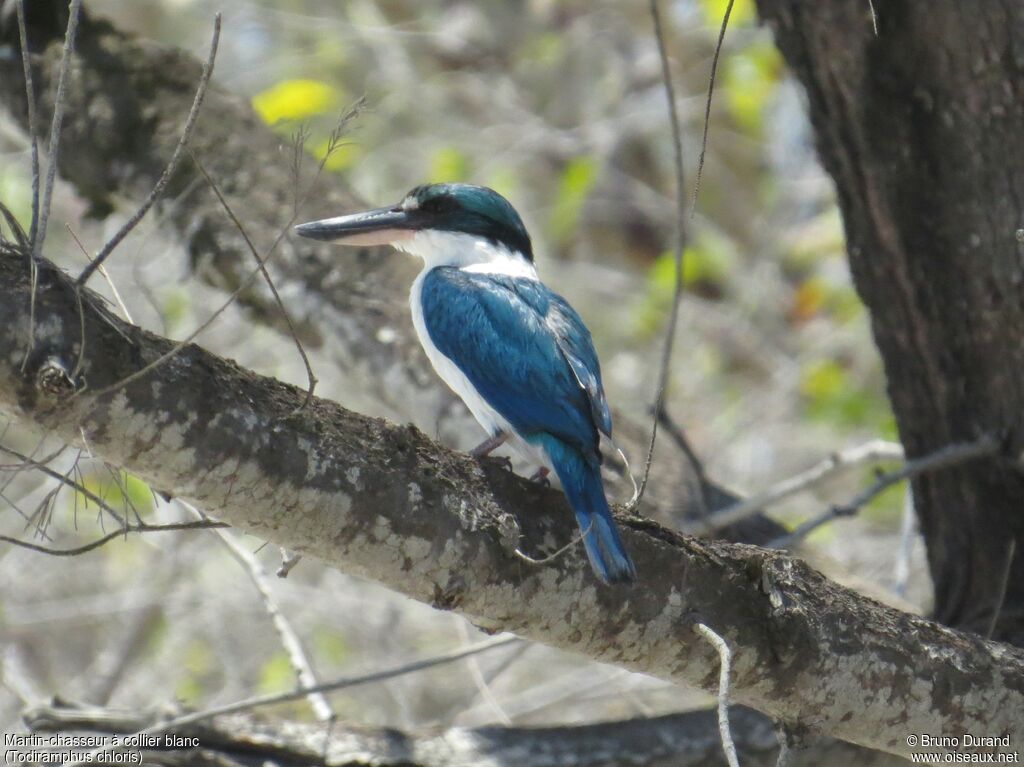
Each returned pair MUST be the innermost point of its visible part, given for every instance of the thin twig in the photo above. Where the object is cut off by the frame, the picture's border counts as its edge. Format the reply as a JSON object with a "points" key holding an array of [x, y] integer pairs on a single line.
{"points": [[33, 138], [74, 552], [950, 455], [870, 452], [874, 16], [724, 661], [680, 247], [289, 637], [707, 104], [901, 570], [165, 177], [1004, 583], [176, 349], [266, 278], [55, 126], [476, 673], [93, 757], [39, 225], [78, 487], [21, 244], [103, 273], [333, 143], [552, 557]]}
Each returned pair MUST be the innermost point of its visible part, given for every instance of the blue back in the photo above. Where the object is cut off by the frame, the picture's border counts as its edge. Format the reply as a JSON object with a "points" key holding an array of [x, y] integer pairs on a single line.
{"points": [[525, 350]]}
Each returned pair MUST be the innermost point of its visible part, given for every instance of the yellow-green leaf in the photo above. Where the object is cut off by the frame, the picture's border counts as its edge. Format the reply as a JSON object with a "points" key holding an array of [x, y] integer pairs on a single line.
{"points": [[714, 12], [295, 100]]}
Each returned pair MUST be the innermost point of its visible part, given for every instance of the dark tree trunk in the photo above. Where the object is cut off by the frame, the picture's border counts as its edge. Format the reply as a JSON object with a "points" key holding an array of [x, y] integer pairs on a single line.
{"points": [[922, 128]]}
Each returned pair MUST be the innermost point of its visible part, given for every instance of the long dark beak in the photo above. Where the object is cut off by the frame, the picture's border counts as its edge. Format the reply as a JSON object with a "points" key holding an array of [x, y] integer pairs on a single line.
{"points": [[373, 227]]}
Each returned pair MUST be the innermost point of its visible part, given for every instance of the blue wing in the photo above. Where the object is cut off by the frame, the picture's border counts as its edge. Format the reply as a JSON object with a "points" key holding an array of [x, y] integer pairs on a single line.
{"points": [[525, 350]]}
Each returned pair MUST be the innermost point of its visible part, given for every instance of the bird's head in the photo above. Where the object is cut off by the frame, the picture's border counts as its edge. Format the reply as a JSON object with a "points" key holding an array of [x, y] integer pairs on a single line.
{"points": [[425, 216]]}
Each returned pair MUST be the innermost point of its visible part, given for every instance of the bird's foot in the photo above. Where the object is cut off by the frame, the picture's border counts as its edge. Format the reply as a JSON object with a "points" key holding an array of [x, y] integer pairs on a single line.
{"points": [[489, 445], [541, 476]]}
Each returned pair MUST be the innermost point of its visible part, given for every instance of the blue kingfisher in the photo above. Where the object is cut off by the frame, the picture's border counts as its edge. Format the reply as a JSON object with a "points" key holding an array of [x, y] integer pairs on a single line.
{"points": [[516, 353]]}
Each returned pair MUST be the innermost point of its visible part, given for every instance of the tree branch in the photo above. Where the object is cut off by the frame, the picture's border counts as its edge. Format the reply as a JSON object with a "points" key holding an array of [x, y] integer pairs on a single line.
{"points": [[382, 501], [943, 458], [870, 452]]}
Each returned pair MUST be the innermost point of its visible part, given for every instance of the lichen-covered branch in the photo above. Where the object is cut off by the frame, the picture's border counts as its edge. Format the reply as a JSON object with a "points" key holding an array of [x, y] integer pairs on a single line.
{"points": [[384, 502]]}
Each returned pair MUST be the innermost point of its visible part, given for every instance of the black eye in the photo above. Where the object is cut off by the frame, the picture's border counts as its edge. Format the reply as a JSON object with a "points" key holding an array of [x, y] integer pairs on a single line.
{"points": [[432, 205]]}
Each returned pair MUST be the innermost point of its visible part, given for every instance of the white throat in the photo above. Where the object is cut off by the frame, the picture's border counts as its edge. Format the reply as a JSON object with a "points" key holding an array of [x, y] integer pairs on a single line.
{"points": [[465, 251], [472, 254]]}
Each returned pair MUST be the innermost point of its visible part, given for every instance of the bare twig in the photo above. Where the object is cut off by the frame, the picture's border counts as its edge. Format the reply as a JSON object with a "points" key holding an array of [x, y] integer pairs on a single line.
{"points": [[77, 486], [951, 455], [707, 105], [174, 350], [333, 143], [55, 126], [289, 638], [104, 273], [901, 574], [21, 243], [165, 177], [1004, 582], [74, 552], [874, 16], [266, 278], [478, 677], [39, 221], [576, 540], [725, 660], [680, 248], [870, 452], [33, 137], [339, 684]]}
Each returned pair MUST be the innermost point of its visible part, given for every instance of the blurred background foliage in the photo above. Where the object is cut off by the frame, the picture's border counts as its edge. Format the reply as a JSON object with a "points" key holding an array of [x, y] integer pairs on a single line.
{"points": [[558, 104]]}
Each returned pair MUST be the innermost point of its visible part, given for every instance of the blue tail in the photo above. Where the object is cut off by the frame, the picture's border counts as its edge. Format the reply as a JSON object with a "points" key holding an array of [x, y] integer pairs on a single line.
{"points": [[584, 489]]}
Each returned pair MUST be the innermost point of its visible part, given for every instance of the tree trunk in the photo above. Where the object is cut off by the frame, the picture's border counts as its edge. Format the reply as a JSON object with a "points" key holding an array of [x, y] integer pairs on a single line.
{"points": [[922, 128]]}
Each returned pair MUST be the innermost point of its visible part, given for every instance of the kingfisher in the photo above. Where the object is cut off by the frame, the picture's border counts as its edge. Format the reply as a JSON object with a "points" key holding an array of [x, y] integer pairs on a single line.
{"points": [[512, 349]]}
